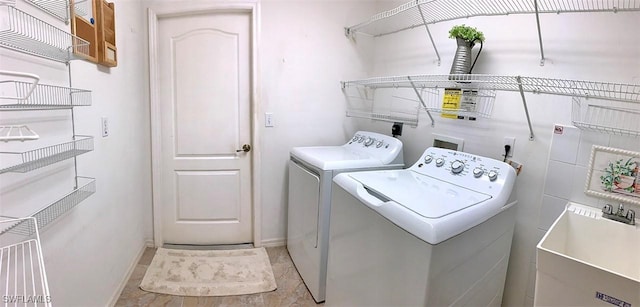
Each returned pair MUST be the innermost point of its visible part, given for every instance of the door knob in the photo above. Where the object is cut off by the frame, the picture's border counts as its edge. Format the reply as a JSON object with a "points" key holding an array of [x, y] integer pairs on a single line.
{"points": [[245, 148]]}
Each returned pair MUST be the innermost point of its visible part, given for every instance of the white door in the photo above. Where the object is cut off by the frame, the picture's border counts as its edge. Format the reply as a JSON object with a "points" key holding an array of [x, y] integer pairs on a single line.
{"points": [[204, 80]]}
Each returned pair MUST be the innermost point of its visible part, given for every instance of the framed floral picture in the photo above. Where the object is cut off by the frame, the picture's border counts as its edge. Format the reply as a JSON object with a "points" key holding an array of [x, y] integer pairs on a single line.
{"points": [[614, 174]]}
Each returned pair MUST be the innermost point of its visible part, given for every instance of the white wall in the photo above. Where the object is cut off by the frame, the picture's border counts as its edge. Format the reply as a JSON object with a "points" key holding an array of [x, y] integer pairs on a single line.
{"points": [[593, 46], [88, 251], [303, 56]]}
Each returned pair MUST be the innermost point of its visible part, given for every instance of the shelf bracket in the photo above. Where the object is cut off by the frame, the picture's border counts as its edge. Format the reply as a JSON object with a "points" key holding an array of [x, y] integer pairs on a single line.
{"points": [[424, 22], [415, 89], [526, 110], [535, 4]]}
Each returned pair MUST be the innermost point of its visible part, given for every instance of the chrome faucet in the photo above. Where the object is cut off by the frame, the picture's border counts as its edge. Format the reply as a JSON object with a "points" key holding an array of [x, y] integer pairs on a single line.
{"points": [[620, 216]]}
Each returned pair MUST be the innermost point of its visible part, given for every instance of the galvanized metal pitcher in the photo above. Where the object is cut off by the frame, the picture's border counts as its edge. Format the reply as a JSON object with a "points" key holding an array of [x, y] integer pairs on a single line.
{"points": [[462, 61]]}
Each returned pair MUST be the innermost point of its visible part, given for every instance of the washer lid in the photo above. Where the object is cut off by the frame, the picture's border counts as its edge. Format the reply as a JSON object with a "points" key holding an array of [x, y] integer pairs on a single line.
{"points": [[335, 157], [422, 194]]}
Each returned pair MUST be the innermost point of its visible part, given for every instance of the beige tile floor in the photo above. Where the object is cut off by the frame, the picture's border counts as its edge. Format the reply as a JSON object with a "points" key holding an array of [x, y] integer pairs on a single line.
{"points": [[291, 290]]}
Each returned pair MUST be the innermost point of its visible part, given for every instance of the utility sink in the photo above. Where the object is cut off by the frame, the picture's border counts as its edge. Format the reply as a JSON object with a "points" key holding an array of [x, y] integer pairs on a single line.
{"points": [[587, 260]]}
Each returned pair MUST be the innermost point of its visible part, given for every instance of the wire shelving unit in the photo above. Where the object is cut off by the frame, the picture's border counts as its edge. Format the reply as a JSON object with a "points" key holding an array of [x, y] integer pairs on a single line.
{"points": [[22, 272], [22, 162], [565, 87], [422, 13], [23, 278], [606, 91], [24, 33]]}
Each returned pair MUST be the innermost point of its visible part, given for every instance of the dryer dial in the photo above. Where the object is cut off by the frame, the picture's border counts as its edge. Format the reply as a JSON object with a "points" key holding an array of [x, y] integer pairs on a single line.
{"points": [[369, 142]]}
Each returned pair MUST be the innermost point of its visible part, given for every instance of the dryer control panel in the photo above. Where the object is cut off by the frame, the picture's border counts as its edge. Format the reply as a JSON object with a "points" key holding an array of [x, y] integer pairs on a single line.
{"points": [[468, 170], [386, 148]]}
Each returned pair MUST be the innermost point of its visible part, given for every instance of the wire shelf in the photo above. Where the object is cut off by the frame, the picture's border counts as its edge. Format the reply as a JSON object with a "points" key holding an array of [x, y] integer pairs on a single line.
{"points": [[56, 8], [22, 162], [607, 117], [43, 96], [86, 186], [48, 214], [392, 117], [410, 15], [23, 278], [22, 32], [382, 106], [60, 8], [17, 133], [573, 88]]}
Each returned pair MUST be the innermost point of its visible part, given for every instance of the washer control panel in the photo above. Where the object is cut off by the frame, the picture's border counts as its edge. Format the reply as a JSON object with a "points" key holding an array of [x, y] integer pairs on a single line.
{"points": [[463, 168]]}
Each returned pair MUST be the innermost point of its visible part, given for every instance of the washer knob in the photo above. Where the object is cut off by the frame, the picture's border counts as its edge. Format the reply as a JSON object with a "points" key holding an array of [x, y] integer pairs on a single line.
{"points": [[428, 159], [477, 172], [439, 162], [369, 142], [360, 139], [355, 138], [379, 144], [457, 166], [493, 175]]}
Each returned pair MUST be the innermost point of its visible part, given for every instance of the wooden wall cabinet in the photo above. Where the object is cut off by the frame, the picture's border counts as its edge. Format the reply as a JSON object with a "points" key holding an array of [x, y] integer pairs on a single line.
{"points": [[84, 28], [99, 29], [106, 28]]}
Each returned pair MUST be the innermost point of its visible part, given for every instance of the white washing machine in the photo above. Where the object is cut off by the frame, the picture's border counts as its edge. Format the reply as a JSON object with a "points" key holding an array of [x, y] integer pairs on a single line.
{"points": [[436, 234], [311, 170]]}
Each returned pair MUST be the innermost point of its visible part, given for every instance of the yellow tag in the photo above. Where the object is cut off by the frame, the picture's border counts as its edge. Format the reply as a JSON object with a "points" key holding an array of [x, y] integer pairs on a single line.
{"points": [[451, 103]]}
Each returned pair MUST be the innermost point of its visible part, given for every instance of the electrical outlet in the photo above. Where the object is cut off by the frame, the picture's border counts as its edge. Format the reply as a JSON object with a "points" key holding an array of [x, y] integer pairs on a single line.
{"points": [[105, 126], [511, 141], [268, 119]]}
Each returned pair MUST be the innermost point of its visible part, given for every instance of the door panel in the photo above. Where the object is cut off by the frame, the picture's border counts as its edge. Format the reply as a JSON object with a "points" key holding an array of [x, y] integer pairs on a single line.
{"points": [[196, 191], [204, 81], [205, 92]]}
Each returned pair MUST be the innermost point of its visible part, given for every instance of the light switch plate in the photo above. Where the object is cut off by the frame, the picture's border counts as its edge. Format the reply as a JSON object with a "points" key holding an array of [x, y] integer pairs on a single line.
{"points": [[105, 126], [268, 119]]}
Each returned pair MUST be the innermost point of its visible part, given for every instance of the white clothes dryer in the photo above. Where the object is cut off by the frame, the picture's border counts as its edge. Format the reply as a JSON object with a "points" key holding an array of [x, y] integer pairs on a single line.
{"points": [[436, 234], [311, 170]]}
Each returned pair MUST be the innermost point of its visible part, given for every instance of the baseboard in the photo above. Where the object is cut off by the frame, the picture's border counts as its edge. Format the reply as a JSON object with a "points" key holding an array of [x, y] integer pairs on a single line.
{"points": [[274, 242], [149, 243], [132, 267]]}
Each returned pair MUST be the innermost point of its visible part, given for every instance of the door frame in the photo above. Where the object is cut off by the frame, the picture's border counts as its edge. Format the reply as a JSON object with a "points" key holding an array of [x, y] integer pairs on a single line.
{"points": [[162, 11]]}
